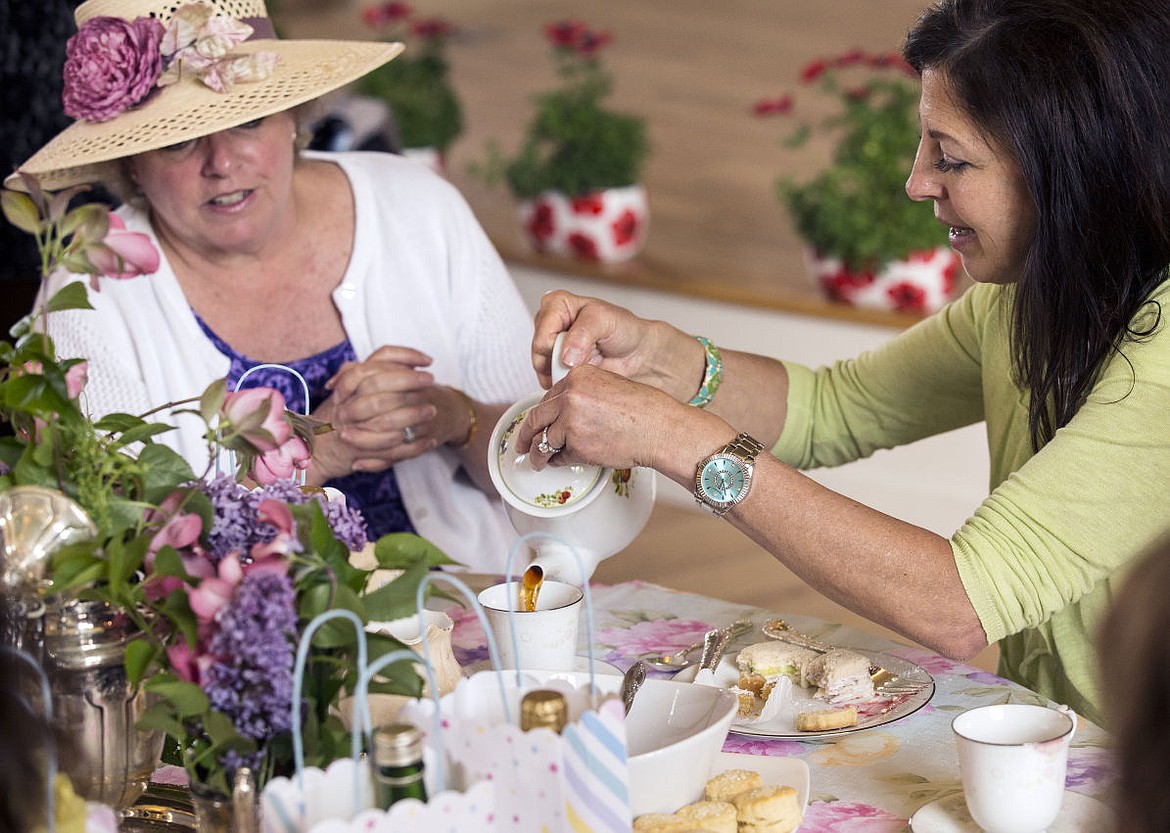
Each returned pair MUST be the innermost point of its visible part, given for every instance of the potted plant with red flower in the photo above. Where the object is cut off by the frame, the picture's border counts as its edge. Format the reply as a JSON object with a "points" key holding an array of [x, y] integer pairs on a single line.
{"points": [[869, 244], [577, 174], [416, 86]]}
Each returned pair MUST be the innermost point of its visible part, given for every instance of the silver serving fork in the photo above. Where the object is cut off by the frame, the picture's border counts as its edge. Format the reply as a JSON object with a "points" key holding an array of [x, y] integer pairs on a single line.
{"points": [[885, 682]]}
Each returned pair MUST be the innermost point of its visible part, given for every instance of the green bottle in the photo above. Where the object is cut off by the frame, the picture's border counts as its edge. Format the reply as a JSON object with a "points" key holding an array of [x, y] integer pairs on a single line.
{"points": [[398, 764]]}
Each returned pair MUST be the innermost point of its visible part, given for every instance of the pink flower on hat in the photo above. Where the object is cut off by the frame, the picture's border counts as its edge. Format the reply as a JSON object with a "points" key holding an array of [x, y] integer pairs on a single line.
{"points": [[111, 64]]}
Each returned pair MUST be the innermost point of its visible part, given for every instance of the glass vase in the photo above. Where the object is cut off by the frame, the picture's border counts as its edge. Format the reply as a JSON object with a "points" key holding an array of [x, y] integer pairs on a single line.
{"points": [[218, 813]]}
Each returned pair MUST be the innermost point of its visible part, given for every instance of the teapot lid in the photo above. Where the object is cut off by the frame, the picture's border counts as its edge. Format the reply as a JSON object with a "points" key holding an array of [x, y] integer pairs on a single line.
{"points": [[550, 489]]}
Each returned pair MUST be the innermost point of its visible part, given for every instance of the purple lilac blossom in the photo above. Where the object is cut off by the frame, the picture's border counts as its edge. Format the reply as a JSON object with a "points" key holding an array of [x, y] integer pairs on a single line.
{"points": [[236, 529], [250, 679], [111, 64]]}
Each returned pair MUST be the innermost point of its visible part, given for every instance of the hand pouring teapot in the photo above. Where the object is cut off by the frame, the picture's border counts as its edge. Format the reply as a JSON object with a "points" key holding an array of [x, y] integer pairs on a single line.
{"points": [[594, 510]]}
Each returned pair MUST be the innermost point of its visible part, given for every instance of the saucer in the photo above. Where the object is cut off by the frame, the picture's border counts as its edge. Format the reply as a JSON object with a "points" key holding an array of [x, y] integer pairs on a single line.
{"points": [[949, 815], [581, 665]]}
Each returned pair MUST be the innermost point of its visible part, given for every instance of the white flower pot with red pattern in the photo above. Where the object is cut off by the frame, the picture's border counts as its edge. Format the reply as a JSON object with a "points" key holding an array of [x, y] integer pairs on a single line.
{"points": [[921, 283], [606, 226]]}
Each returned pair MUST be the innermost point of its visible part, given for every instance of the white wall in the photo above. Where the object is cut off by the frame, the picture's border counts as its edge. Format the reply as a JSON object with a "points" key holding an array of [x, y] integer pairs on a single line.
{"points": [[935, 483]]}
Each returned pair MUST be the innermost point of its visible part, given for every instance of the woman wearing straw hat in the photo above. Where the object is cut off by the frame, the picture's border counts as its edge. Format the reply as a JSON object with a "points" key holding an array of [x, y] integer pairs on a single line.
{"points": [[365, 272]]}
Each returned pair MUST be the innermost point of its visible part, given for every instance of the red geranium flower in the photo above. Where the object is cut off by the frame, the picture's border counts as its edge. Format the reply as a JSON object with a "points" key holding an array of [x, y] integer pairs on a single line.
{"points": [[565, 33], [432, 27], [773, 106], [813, 70]]}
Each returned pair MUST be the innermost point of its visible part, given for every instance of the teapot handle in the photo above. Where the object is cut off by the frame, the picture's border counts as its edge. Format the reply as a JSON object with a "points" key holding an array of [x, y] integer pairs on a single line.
{"points": [[559, 369]]}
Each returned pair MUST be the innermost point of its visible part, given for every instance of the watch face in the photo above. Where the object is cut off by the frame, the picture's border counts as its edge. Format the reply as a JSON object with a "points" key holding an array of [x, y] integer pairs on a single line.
{"points": [[722, 479]]}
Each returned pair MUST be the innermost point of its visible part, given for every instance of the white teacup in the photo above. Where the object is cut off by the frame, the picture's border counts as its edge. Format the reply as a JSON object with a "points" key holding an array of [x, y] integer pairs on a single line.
{"points": [[1012, 759], [546, 637]]}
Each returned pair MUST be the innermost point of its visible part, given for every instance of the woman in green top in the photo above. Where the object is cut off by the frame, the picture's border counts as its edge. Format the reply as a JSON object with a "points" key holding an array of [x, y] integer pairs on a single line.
{"points": [[1046, 150]]}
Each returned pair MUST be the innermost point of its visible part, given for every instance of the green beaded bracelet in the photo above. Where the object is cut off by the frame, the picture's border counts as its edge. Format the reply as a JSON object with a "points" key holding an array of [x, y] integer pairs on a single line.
{"points": [[712, 374]]}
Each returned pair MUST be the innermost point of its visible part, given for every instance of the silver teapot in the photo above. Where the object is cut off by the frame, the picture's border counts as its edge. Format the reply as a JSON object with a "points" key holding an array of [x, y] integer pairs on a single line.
{"points": [[94, 704]]}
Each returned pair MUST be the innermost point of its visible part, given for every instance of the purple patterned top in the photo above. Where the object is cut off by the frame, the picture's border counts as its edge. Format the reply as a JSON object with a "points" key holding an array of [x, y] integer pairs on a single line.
{"points": [[374, 494]]}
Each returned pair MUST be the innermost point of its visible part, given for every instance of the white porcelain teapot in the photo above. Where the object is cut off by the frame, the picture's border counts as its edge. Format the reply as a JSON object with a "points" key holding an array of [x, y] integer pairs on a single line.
{"points": [[594, 510]]}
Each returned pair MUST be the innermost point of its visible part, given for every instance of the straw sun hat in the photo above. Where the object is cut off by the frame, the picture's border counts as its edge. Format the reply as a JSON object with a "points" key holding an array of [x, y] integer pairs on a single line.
{"points": [[189, 108]]}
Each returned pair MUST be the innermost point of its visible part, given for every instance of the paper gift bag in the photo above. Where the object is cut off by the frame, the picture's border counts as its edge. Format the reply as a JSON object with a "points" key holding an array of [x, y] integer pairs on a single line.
{"points": [[340, 798], [575, 781]]}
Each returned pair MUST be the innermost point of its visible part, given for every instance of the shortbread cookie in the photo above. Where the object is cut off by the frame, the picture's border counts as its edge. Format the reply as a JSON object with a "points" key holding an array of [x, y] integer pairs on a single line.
{"points": [[712, 816], [727, 784], [821, 720], [768, 810]]}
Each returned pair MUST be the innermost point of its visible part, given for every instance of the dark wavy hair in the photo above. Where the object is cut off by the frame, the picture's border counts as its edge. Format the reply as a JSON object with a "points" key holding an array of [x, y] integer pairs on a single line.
{"points": [[1078, 93]]}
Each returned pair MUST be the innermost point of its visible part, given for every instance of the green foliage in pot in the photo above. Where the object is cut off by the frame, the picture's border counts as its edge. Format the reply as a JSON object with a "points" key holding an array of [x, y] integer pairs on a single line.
{"points": [[416, 84], [857, 208], [574, 144]]}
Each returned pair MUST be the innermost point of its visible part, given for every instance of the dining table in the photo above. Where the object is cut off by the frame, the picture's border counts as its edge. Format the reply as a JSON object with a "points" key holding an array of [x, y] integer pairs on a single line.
{"points": [[870, 781]]}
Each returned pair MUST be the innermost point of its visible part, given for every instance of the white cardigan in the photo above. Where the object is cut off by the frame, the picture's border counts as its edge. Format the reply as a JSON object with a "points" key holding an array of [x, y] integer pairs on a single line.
{"points": [[422, 274]]}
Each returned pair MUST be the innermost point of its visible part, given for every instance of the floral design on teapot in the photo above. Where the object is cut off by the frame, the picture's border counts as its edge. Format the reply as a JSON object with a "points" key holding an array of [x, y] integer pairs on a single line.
{"points": [[621, 481]]}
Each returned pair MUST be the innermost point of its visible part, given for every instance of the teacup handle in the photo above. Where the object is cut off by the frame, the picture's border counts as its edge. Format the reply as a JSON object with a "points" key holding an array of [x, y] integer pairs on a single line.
{"points": [[1072, 715]]}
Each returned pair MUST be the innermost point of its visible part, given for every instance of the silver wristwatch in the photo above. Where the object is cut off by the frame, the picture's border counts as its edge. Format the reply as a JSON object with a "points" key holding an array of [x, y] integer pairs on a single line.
{"points": [[724, 479]]}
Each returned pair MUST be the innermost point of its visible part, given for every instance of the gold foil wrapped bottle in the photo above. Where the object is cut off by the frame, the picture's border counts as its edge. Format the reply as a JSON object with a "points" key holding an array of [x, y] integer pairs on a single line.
{"points": [[398, 764], [544, 707]]}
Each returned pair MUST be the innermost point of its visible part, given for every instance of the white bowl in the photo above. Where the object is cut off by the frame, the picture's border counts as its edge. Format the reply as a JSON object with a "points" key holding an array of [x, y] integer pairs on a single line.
{"points": [[674, 733]]}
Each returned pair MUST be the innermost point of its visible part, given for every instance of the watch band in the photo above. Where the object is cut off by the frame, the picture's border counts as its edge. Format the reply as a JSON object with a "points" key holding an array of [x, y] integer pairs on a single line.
{"points": [[745, 446]]}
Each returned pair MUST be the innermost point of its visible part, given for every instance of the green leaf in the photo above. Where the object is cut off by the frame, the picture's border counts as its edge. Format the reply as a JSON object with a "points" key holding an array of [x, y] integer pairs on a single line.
{"points": [[140, 653], [336, 633], [71, 296], [21, 211], [398, 598], [399, 550], [187, 699], [160, 718], [212, 400]]}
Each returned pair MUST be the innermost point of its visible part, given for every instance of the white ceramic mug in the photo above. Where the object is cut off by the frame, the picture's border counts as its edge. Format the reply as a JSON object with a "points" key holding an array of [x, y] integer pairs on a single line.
{"points": [[546, 637], [1012, 759]]}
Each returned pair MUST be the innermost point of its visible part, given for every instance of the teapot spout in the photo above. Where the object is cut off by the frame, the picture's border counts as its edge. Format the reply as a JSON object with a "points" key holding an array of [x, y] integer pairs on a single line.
{"points": [[560, 561]]}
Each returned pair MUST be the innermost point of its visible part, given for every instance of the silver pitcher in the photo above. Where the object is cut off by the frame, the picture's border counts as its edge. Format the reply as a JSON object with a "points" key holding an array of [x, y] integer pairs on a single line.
{"points": [[94, 705]]}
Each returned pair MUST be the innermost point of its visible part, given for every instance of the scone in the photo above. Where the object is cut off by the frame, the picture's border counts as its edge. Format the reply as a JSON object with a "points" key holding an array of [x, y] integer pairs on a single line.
{"points": [[712, 816], [662, 823], [821, 720], [726, 785], [767, 810]]}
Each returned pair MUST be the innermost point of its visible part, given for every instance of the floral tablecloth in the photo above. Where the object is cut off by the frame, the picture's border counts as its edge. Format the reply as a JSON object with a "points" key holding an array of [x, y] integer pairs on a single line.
{"points": [[870, 781]]}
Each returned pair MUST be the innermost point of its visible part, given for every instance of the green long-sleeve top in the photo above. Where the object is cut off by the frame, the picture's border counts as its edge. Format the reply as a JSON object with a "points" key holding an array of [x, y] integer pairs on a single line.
{"points": [[1041, 557]]}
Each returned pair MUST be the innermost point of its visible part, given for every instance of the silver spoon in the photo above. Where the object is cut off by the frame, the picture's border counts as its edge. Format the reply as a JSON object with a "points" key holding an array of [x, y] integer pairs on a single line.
{"points": [[632, 681], [683, 659]]}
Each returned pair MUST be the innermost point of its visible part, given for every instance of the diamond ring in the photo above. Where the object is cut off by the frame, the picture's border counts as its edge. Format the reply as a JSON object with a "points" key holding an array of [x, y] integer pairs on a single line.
{"points": [[545, 447], [408, 435]]}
